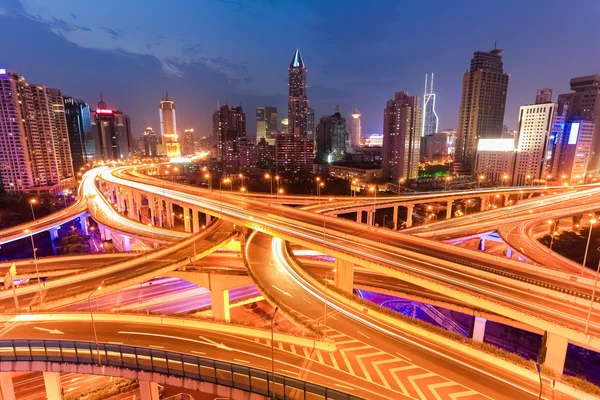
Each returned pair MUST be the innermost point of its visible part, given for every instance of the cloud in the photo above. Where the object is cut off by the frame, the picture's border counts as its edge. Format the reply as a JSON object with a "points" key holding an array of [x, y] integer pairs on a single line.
{"points": [[77, 25]]}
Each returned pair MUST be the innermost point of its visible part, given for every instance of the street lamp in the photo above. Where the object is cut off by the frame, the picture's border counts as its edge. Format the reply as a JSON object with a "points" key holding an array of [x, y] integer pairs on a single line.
{"points": [[273, 349], [93, 323], [528, 177], [208, 182], [31, 203], [352, 187], [270, 178], [277, 180], [479, 180], [37, 271], [504, 177], [374, 190], [446, 179], [318, 180], [587, 322], [587, 246]]}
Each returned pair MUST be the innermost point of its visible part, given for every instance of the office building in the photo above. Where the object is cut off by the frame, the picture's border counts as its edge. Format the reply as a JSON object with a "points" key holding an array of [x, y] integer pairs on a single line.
{"points": [[168, 128], [150, 141], [34, 140], [536, 125], [584, 104], [266, 123], [265, 155], [437, 147], [364, 172], [494, 160], [402, 120], [311, 123], [481, 113], [574, 150], [229, 123], [247, 155], [297, 100], [331, 137], [430, 118], [355, 130], [111, 130], [187, 142], [293, 154], [79, 125]]}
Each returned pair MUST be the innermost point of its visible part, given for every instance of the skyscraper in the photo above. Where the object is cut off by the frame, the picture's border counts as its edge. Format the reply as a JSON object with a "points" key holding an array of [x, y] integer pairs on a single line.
{"points": [[331, 137], [187, 142], [584, 104], [355, 130], [266, 123], [430, 118], [168, 127], [34, 141], [79, 126], [293, 154], [150, 143], [229, 123], [311, 123], [402, 120], [111, 130], [537, 123], [481, 113], [297, 101]]}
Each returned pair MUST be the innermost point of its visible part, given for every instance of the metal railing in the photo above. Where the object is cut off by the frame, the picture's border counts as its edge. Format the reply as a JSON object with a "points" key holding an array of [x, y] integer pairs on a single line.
{"points": [[168, 363]]}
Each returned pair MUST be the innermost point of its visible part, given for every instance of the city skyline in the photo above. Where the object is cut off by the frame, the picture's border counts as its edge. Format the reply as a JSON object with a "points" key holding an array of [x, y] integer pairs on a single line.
{"points": [[206, 73]]}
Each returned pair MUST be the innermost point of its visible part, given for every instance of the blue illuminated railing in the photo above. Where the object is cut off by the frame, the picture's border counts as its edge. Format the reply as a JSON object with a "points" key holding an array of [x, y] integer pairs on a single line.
{"points": [[169, 363]]}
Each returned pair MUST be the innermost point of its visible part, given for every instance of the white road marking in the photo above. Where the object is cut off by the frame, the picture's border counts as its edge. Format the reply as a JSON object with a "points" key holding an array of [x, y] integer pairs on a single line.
{"points": [[156, 347], [363, 334], [199, 352], [404, 357], [344, 386], [240, 360], [282, 291]]}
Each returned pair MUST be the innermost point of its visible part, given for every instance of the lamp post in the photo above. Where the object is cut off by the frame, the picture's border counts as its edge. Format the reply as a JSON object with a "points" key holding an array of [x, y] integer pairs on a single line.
{"points": [[277, 180], [587, 246], [527, 177], [353, 188], [273, 349], [321, 186], [587, 322], [93, 323], [504, 177], [318, 180], [446, 179], [208, 182], [31, 203], [480, 178], [374, 190], [37, 271], [270, 178]]}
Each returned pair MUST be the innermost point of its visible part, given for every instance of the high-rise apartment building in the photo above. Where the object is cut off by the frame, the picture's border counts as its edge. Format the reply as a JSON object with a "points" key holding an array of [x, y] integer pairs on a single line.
{"points": [[355, 130], [574, 150], [495, 160], [311, 123], [265, 155], [187, 142], [168, 127], [402, 120], [34, 141], [537, 125], [111, 130], [331, 137], [297, 100], [481, 113], [266, 123], [584, 104], [293, 154], [79, 126], [150, 142], [229, 123], [430, 118]]}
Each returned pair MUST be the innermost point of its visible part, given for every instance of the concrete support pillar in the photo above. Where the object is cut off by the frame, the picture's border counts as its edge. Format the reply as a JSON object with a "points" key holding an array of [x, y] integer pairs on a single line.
{"points": [[359, 216], [6, 386], [186, 219], [509, 253], [195, 220], [208, 217], [479, 329], [219, 298], [54, 233], [53, 387], [152, 209], [556, 353], [409, 213], [344, 275], [126, 243], [130, 208], [395, 217], [108, 234], [102, 232], [138, 205], [481, 246], [83, 224], [149, 390], [118, 191], [449, 209], [482, 207], [370, 219], [161, 213]]}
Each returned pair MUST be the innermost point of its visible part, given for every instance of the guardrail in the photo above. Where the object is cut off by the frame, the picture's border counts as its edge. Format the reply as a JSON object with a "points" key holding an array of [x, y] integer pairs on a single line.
{"points": [[171, 364]]}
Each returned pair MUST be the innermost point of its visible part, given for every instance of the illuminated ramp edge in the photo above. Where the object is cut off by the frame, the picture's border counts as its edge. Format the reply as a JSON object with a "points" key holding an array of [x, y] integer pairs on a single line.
{"points": [[150, 364]]}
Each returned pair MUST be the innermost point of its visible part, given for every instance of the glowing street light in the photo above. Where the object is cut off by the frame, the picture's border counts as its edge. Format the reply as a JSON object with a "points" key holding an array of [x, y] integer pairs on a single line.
{"points": [[587, 246], [37, 271], [31, 203], [93, 323]]}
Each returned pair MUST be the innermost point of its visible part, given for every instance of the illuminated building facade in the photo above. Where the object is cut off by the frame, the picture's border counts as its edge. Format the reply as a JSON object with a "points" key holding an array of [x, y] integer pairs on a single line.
{"points": [[168, 128], [229, 123], [111, 130], [355, 130], [481, 113], [495, 160], [187, 142], [297, 100], [266, 123], [430, 118], [402, 118], [79, 126], [293, 154], [150, 143], [331, 137], [574, 150]]}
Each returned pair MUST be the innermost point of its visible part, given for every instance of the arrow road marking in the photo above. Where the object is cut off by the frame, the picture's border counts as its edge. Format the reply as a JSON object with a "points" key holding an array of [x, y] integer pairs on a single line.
{"points": [[282, 291], [50, 331]]}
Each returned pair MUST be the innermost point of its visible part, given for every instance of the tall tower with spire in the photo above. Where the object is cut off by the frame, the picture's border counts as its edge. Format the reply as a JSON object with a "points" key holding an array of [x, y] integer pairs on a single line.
{"points": [[430, 118], [297, 100], [168, 128]]}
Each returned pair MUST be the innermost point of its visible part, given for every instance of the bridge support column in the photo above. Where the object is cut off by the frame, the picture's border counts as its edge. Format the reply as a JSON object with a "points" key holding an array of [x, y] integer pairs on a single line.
{"points": [[482, 206], [152, 209], [409, 213], [479, 329], [449, 210], [370, 219], [344, 275], [359, 216], [161, 213], [556, 353], [195, 221], [138, 205], [118, 192], [53, 387], [149, 390], [6, 386], [54, 234], [208, 217], [509, 253], [395, 217], [170, 219], [186, 219], [126, 243], [481, 246], [130, 208], [219, 299], [83, 224]]}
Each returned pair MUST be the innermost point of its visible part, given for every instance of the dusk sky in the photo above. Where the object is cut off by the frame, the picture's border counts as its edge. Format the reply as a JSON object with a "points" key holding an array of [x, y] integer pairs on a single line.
{"points": [[358, 53]]}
